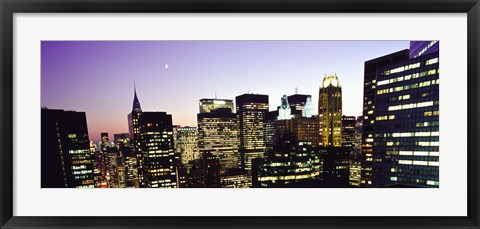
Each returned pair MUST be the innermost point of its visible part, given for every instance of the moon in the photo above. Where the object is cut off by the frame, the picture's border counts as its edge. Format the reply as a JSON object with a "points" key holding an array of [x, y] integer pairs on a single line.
{"points": [[166, 66]]}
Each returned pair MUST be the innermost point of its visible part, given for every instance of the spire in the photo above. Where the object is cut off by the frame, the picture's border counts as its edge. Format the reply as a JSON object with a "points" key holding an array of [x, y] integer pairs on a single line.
{"points": [[136, 103]]}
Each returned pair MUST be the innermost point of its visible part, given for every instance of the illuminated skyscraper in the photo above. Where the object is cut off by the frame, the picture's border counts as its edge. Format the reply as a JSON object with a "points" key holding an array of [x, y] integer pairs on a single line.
{"points": [[369, 102], [187, 144], [218, 134], [66, 161], [330, 112], [158, 153], [134, 130], [251, 111], [402, 129]]}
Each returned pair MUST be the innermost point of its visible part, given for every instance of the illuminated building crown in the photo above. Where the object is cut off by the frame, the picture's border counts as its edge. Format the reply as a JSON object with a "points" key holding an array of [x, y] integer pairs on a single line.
{"points": [[330, 80], [136, 103]]}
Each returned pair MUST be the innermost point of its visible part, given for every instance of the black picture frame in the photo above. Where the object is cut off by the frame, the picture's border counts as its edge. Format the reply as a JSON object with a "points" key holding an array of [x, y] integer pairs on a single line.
{"points": [[9, 7]]}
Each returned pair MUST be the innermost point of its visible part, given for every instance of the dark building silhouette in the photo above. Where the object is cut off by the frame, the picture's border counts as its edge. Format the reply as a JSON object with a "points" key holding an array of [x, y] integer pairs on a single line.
{"points": [[159, 164], [204, 172], [336, 162], [402, 129], [251, 111], [66, 161]]}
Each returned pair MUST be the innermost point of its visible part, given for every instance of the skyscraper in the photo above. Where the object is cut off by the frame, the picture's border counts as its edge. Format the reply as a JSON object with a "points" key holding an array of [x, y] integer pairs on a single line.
{"points": [[251, 111], [134, 131], [187, 143], [405, 136], [218, 133], [157, 147], [369, 102], [66, 161], [330, 111]]}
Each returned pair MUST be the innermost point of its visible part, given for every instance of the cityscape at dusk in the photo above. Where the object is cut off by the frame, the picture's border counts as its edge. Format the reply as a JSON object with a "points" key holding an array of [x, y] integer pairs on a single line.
{"points": [[240, 114]]}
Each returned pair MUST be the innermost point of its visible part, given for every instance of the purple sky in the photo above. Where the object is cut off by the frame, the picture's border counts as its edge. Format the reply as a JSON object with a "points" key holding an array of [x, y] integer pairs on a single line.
{"points": [[97, 76]]}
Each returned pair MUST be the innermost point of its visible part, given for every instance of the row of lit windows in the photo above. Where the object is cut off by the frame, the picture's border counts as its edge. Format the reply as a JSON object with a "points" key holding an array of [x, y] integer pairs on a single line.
{"points": [[418, 153], [408, 77], [87, 171], [427, 163], [402, 68], [415, 134], [381, 118], [406, 87], [410, 106]]}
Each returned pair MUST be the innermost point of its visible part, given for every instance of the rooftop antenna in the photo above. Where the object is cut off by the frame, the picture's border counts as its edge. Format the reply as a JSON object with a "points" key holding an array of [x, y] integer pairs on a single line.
{"points": [[215, 94], [296, 90]]}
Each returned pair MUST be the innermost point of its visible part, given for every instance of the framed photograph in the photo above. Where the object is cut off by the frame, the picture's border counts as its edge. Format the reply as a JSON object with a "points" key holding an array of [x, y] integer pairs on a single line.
{"points": [[260, 114]]}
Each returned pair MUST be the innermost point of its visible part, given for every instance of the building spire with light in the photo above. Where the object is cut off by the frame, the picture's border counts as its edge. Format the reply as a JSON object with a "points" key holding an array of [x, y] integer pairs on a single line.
{"points": [[136, 103]]}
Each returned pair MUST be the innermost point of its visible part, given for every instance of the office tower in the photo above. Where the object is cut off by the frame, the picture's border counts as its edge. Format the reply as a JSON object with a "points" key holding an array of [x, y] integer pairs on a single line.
{"points": [[187, 144], [405, 136], [218, 133], [251, 111], [66, 161], [157, 147], [204, 172], [208, 105], [110, 155], [369, 102], [126, 161], [284, 111], [297, 103], [134, 131], [330, 111], [270, 118], [356, 155], [348, 131], [308, 111], [291, 163]]}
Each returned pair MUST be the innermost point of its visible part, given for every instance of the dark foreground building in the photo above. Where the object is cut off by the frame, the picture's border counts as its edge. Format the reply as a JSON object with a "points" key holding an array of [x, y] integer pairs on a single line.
{"points": [[400, 143], [160, 167], [66, 161]]}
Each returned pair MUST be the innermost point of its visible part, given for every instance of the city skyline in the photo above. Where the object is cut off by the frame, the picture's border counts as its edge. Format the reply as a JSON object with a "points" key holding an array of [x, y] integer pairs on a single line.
{"points": [[98, 77]]}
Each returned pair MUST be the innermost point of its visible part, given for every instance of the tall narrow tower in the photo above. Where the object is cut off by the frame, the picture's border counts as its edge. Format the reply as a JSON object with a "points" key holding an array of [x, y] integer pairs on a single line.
{"points": [[330, 112], [134, 130]]}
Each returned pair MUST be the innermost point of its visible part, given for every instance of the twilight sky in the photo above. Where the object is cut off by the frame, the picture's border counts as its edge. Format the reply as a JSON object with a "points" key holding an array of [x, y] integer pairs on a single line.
{"points": [[97, 76]]}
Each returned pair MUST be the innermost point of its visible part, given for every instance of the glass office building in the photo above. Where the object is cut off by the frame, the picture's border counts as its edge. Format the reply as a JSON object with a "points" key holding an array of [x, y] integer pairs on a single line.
{"points": [[401, 118]]}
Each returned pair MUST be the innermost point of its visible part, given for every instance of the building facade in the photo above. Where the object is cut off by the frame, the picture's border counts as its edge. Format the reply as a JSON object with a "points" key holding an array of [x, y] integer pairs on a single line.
{"points": [[158, 153], [405, 136], [218, 135], [330, 111], [66, 161], [251, 112]]}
